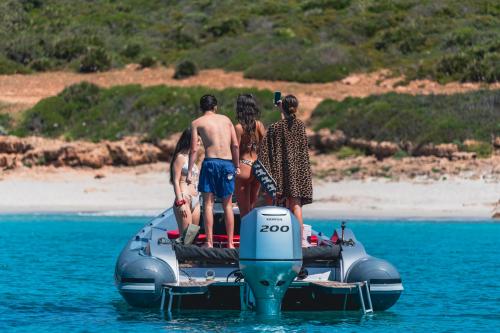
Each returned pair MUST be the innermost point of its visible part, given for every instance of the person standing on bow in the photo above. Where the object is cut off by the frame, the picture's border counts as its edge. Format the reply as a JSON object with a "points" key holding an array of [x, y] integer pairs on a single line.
{"points": [[220, 166], [249, 132], [284, 153]]}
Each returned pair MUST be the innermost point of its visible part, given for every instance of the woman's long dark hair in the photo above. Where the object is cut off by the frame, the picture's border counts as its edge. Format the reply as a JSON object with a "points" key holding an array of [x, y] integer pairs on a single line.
{"points": [[247, 112], [184, 143], [290, 106]]}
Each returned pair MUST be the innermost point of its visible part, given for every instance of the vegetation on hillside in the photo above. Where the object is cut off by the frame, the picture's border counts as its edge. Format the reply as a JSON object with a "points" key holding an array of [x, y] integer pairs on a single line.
{"points": [[85, 111], [306, 41], [418, 119]]}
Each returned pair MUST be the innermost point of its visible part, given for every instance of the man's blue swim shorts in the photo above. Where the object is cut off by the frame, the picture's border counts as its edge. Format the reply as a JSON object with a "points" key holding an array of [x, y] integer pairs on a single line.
{"points": [[217, 177]]}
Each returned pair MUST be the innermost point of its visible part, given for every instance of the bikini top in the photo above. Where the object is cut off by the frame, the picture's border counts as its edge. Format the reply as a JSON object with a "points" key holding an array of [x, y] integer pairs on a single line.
{"points": [[195, 172]]}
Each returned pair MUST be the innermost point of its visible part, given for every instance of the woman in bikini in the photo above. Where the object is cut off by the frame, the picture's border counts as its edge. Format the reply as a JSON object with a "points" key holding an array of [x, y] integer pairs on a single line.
{"points": [[186, 204], [249, 132]]}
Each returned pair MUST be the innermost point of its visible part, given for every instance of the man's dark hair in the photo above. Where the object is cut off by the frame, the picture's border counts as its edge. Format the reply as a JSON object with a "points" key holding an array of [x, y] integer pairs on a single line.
{"points": [[208, 103]]}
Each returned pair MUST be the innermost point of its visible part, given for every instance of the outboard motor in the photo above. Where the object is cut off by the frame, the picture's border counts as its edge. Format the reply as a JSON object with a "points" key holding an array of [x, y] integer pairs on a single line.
{"points": [[270, 255]]}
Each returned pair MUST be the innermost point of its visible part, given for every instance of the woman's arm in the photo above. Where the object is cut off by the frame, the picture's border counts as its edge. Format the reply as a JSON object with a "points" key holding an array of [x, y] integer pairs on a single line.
{"points": [[178, 163], [239, 132]]}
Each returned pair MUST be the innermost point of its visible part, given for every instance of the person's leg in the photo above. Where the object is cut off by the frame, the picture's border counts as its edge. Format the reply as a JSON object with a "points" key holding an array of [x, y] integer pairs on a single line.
{"points": [[183, 220], [241, 196], [254, 192], [294, 204], [208, 217], [229, 219], [243, 189], [195, 214]]}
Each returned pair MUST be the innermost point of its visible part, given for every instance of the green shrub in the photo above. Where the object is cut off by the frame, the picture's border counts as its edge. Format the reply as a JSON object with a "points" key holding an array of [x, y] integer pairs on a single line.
{"points": [[24, 49], [147, 61], [482, 149], [41, 64], [69, 48], [347, 152], [306, 41], [85, 111], [131, 50], [10, 67], [5, 123], [400, 154], [185, 69], [95, 59], [418, 119]]}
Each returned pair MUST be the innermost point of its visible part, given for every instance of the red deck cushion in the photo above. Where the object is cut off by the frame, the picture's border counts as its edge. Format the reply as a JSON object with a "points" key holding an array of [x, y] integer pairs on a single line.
{"points": [[173, 234]]}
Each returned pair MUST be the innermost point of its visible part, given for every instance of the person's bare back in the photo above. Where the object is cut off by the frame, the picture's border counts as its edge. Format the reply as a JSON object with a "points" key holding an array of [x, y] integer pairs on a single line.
{"points": [[215, 131]]}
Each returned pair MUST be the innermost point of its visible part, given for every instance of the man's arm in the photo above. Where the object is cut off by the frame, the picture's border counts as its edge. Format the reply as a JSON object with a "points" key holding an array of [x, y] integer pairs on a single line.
{"points": [[235, 148], [192, 151]]}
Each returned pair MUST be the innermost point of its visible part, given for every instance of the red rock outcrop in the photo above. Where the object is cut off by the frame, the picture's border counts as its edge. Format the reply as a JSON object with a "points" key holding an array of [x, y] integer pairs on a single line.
{"points": [[380, 149], [13, 145], [324, 140], [442, 150], [131, 152]]}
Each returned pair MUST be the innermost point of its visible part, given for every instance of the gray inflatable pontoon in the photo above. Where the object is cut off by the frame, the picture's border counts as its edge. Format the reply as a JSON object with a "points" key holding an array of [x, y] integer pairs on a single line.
{"points": [[268, 273]]}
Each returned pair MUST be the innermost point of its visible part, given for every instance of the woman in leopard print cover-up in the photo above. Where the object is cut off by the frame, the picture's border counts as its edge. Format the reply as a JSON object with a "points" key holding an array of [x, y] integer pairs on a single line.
{"points": [[284, 153]]}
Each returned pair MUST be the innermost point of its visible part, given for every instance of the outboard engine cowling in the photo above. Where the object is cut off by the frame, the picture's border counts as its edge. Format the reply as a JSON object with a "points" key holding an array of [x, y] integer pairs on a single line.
{"points": [[270, 255]]}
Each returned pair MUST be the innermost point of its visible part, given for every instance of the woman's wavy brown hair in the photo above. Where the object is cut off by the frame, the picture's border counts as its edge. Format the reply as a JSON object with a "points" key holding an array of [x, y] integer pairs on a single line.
{"points": [[247, 112]]}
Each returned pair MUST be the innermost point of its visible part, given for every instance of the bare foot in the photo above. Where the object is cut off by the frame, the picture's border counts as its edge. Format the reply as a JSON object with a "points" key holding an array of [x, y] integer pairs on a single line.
{"points": [[230, 246], [208, 245]]}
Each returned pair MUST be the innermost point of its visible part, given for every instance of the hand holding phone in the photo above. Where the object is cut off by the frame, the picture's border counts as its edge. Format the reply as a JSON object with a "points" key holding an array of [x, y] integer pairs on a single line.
{"points": [[277, 97]]}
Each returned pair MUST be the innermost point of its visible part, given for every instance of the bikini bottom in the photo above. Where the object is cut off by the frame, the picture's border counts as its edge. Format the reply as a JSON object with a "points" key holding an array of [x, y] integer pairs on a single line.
{"points": [[247, 162]]}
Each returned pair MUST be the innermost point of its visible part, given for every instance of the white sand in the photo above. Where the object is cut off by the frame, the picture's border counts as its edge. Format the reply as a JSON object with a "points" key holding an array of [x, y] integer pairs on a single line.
{"points": [[146, 190]]}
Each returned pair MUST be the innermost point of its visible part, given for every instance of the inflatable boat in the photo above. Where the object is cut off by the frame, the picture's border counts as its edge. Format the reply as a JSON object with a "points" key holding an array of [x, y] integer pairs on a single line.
{"points": [[268, 272]]}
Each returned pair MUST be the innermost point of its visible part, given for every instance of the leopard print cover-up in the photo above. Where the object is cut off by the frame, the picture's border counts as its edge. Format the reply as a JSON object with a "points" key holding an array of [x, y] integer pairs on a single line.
{"points": [[284, 153]]}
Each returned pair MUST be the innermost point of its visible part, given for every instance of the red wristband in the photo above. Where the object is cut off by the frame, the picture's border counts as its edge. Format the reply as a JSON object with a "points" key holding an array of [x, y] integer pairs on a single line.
{"points": [[179, 203]]}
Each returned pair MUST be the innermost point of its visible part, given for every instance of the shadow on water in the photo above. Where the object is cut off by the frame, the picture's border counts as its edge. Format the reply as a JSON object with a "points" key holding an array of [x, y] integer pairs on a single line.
{"points": [[190, 320]]}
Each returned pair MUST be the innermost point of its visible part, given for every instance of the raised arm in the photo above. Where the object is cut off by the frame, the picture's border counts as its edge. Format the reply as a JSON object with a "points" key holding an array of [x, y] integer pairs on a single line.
{"points": [[193, 150], [235, 148]]}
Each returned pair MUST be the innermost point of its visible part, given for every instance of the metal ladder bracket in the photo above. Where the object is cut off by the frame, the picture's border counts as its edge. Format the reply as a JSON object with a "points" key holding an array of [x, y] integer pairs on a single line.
{"points": [[366, 286]]}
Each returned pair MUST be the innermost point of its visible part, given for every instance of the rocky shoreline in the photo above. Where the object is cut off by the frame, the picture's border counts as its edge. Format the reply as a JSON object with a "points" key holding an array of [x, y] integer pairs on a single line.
{"points": [[35, 151], [429, 161]]}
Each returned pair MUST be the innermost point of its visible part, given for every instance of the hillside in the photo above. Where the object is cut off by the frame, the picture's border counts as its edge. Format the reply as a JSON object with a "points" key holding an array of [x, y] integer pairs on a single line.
{"points": [[305, 41]]}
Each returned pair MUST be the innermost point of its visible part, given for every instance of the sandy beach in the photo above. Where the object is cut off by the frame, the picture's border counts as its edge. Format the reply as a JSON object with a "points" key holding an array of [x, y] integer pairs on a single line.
{"points": [[145, 190]]}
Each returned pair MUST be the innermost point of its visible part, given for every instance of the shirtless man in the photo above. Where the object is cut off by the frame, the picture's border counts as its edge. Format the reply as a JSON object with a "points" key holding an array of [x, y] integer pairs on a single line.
{"points": [[220, 165]]}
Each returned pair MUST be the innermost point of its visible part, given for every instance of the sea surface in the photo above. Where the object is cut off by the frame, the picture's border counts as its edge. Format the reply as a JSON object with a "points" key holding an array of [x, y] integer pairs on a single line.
{"points": [[56, 275]]}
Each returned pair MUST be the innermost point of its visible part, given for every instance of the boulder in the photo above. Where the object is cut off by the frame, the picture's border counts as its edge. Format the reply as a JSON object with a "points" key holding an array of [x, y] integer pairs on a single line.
{"points": [[464, 156], [86, 155], [496, 142], [384, 149], [442, 150], [325, 140], [42, 156], [8, 161], [361, 144], [167, 148], [13, 145], [381, 150], [131, 152]]}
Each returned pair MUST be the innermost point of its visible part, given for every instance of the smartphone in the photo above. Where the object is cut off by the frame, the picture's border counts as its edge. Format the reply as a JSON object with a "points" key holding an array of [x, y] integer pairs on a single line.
{"points": [[277, 97]]}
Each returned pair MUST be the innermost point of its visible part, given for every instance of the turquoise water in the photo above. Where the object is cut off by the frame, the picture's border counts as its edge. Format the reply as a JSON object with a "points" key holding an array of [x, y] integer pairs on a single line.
{"points": [[56, 274]]}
